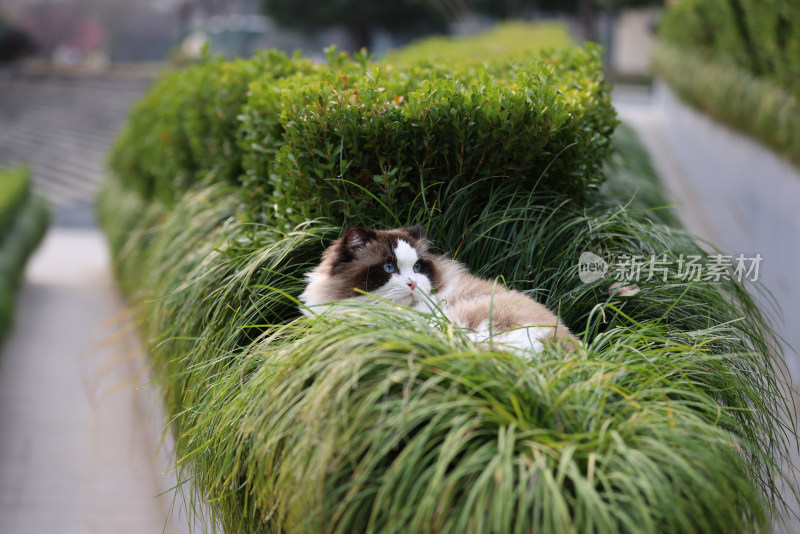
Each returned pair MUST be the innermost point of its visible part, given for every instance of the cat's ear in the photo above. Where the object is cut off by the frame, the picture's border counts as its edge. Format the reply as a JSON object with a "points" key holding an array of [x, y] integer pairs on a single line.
{"points": [[353, 240], [356, 237], [416, 232]]}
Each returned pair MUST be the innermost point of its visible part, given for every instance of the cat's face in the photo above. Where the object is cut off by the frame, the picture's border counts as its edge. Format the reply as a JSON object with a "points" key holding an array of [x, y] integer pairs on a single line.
{"points": [[395, 265]]}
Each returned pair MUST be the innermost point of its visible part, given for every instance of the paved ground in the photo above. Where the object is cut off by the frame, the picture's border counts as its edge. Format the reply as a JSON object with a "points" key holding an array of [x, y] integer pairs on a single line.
{"points": [[62, 126], [78, 440], [736, 194], [79, 443]]}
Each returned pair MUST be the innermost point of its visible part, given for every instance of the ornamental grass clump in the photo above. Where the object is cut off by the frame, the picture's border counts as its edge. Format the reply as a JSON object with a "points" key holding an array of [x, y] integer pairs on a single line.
{"points": [[381, 419], [376, 419], [365, 422]]}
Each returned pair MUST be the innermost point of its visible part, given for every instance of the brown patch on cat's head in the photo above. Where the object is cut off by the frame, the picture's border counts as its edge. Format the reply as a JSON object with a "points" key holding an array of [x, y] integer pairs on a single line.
{"points": [[355, 262]]}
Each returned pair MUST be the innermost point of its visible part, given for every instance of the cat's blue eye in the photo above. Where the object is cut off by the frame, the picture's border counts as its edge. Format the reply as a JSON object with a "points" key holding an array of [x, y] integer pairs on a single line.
{"points": [[388, 267], [417, 267]]}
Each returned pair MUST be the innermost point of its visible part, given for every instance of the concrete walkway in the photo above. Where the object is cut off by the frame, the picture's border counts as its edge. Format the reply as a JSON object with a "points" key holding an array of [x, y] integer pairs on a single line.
{"points": [[62, 128], [78, 440]]}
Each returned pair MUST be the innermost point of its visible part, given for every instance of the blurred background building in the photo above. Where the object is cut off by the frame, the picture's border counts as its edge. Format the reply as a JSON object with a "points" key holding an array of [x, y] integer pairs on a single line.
{"points": [[94, 33]]}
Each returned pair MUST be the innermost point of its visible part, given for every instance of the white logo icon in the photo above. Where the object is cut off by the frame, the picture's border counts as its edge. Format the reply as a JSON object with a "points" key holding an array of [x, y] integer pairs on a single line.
{"points": [[591, 267]]}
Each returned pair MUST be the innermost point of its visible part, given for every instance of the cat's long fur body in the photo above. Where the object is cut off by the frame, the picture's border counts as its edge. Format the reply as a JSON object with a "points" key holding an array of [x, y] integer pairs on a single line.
{"points": [[397, 265]]}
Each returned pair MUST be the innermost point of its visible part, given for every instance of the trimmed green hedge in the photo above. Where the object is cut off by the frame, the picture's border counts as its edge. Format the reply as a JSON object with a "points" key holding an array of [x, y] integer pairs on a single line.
{"points": [[187, 125], [396, 422], [23, 222], [14, 190], [367, 145], [737, 60], [351, 130]]}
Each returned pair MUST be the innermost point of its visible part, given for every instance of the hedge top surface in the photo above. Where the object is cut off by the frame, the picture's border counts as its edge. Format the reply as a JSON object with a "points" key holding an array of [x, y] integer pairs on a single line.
{"points": [[510, 40], [186, 126]]}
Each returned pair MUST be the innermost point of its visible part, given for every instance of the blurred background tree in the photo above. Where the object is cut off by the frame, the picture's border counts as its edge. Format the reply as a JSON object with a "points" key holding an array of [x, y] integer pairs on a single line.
{"points": [[359, 17], [15, 43], [413, 18]]}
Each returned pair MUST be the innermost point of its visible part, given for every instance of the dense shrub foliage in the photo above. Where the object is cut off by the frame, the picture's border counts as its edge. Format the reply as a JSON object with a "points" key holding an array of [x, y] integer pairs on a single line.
{"points": [[372, 143], [187, 125], [737, 60], [394, 421], [23, 220], [352, 130]]}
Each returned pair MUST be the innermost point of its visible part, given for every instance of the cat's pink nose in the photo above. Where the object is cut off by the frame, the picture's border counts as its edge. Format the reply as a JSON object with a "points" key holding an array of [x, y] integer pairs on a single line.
{"points": [[411, 285]]}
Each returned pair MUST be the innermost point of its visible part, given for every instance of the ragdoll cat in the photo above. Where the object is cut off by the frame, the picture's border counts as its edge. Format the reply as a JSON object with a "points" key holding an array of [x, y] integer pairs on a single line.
{"points": [[397, 265]]}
